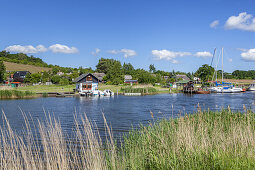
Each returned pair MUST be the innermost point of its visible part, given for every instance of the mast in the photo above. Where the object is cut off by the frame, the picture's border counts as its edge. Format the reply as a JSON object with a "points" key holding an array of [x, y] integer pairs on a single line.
{"points": [[222, 67]]}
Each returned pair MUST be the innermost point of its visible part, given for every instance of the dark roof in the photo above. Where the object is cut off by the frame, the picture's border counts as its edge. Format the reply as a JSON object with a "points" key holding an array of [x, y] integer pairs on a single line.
{"points": [[130, 81], [128, 77], [182, 76], [21, 73], [99, 76], [83, 76]]}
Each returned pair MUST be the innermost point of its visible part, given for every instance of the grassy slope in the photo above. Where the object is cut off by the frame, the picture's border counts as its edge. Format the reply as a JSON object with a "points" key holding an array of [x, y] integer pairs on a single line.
{"points": [[22, 67]]}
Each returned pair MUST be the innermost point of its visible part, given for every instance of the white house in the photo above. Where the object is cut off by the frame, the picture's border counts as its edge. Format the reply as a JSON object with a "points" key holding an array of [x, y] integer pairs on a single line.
{"points": [[86, 83]]}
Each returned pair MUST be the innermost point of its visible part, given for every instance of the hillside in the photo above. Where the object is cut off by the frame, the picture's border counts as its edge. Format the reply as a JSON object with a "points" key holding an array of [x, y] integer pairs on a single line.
{"points": [[22, 67]]}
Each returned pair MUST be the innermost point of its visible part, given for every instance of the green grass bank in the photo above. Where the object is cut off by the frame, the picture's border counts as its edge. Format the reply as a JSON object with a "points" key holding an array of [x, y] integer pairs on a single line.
{"points": [[205, 140]]}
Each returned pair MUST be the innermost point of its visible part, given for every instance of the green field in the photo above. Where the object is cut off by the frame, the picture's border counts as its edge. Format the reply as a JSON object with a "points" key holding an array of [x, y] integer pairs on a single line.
{"points": [[45, 88]]}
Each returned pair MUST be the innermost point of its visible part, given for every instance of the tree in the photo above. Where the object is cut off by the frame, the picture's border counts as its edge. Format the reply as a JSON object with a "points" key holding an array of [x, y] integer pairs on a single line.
{"points": [[205, 72], [115, 73], [104, 65], [2, 71], [55, 79], [35, 78], [128, 68], [152, 68]]}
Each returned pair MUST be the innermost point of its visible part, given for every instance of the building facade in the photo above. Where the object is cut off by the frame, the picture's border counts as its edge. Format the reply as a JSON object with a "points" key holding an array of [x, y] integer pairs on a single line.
{"points": [[86, 83]]}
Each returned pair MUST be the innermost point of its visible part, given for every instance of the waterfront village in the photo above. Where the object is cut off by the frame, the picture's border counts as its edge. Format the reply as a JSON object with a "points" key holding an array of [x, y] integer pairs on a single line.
{"points": [[28, 73]]}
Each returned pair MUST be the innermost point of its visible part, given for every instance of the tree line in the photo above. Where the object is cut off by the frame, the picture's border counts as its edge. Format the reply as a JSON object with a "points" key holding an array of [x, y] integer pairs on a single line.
{"points": [[114, 71]]}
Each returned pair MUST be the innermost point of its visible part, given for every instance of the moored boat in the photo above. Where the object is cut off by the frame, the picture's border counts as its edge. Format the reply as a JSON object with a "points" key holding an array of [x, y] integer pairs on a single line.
{"points": [[251, 87], [201, 91]]}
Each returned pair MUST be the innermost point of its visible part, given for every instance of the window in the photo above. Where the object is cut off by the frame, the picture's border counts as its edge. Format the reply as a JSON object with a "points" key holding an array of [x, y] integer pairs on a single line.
{"points": [[89, 86], [89, 78]]}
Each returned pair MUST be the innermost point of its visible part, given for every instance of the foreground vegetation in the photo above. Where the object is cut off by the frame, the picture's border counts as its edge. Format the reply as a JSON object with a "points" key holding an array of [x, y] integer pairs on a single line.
{"points": [[205, 140], [6, 94]]}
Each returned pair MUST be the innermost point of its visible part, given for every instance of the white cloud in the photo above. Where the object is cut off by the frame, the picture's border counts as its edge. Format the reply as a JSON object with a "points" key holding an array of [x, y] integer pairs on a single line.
{"points": [[96, 52], [243, 21], [126, 52], [249, 55], [168, 55], [58, 48], [26, 49], [203, 54], [214, 24], [41, 48], [113, 51], [242, 49]]}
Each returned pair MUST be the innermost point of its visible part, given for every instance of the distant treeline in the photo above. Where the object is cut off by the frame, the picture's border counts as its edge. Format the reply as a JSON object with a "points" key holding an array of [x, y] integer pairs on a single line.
{"points": [[239, 74], [115, 71]]}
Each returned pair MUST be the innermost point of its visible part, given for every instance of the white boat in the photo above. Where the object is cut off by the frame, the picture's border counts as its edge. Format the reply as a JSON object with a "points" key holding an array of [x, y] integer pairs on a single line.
{"points": [[108, 92], [251, 87], [98, 93], [224, 87]]}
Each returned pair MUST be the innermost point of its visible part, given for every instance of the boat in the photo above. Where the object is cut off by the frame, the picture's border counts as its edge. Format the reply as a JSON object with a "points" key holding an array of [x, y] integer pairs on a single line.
{"points": [[251, 87], [98, 93], [108, 92], [201, 91], [224, 87]]}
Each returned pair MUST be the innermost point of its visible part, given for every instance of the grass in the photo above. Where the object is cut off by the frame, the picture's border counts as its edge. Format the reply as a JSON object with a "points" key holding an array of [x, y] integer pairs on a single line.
{"points": [[47, 88], [15, 94], [148, 90], [204, 140], [22, 67], [118, 88]]}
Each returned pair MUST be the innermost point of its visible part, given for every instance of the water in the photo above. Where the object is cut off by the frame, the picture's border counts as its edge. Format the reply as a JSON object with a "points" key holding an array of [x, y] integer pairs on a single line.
{"points": [[121, 112]]}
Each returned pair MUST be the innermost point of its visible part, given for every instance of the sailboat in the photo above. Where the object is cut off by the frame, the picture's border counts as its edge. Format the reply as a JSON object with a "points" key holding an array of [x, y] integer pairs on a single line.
{"points": [[224, 87]]}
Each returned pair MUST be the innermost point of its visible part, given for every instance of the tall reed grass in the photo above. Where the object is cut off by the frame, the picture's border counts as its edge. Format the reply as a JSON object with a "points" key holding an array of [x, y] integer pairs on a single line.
{"points": [[15, 94], [205, 140], [147, 90]]}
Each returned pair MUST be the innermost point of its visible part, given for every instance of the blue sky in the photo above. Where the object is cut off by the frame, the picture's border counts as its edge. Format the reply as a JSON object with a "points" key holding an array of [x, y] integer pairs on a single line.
{"points": [[177, 34]]}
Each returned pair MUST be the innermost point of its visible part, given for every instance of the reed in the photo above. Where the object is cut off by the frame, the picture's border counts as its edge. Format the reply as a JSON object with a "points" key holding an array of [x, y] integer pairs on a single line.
{"points": [[15, 94], [204, 140], [147, 90]]}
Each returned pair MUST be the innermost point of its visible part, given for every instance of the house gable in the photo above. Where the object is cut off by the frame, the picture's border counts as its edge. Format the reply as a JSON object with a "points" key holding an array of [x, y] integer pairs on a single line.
{"points": [[86, 78]]}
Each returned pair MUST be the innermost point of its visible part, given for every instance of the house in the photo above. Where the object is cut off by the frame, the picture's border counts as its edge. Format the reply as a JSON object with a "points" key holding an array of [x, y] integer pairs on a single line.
{"points": [[182, 76], [60, 73], [86, 83], [129, 80], [19, 76], [100, 76], [165, 77]]}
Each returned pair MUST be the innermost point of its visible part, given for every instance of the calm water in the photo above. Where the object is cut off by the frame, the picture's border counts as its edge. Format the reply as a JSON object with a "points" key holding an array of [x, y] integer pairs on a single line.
{"points": [[121, 112]]}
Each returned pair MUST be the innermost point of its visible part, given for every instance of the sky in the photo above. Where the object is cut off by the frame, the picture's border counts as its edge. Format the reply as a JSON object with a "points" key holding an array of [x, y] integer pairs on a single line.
{"points": [[178, 35]]}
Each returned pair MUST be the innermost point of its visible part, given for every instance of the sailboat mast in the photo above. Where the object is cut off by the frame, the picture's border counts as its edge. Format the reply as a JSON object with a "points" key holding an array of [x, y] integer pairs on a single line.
{"points": [[222, 67]]}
